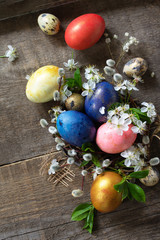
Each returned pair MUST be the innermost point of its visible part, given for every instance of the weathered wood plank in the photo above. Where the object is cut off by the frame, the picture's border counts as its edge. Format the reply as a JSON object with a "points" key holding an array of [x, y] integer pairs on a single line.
{"points": [[20, 134], [32, 208], [12, 8]]}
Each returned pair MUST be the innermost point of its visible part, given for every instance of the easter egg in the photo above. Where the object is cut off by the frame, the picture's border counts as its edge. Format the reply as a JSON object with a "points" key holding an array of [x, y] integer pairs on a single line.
{"points": [[42, 84], [84, 31], [49, 23], [152, 178], [75, 128], [135, 67], [104, 95], [109, 141], [103, 195], [75, 102]]}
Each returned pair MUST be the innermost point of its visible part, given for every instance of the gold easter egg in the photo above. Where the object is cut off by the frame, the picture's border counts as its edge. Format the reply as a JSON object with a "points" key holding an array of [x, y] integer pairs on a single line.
{"points": [[42, 84], [75, 102], [49, 23]]}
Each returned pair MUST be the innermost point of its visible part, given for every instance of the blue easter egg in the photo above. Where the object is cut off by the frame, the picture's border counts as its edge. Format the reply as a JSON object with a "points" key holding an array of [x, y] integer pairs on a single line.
{"points": [[103, 96], [75, 127]]}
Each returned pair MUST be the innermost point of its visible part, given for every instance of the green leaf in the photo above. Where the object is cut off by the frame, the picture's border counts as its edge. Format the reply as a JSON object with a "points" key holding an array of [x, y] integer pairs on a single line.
{"points": [[113, 106], [76, 82], [95, 160], [88, 147], [130, 197], [119, 186], [78, 78], [86, 224], [82, 208], [141, 115], [136, 192], [125, 191], [123, 188], [84, 163], [139, 174], [80, 217], [89, 223]]}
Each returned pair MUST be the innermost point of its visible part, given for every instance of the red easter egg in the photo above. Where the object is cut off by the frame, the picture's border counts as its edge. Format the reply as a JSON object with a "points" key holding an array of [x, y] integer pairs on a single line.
{"points": [[84, 31]]}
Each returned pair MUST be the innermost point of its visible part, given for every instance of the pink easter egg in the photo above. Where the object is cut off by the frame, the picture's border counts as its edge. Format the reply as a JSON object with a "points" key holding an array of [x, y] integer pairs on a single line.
{"points": [[109, 141]]}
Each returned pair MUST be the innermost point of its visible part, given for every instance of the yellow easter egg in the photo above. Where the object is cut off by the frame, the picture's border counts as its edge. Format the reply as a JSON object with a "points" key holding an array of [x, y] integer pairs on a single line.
{"points": [[42, 84]]}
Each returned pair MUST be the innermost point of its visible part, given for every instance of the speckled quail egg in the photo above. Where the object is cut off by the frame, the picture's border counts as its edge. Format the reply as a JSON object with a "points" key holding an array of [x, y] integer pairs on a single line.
{"points": [[152, 178], [75, 102], [135, 67], [49, 23]]}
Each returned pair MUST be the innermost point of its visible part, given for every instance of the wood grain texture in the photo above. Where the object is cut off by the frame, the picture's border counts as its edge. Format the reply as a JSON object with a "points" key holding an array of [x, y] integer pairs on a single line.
{"points": [[21, 136], [14, 8], [31, 208]]}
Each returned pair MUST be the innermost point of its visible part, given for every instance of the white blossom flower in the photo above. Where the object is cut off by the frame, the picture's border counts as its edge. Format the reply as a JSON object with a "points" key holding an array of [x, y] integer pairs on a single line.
{"points": [[90, 72], [139, 165], [56, 95], [145, 139], [107, 40], [97, 171], [123, 108], [149, 108], [106, 163], [87, 157], [152, 74], [130, 86], [131, 41], [72, 152], [11, 53], [61, 72], [65, 93], [43, 123], [77, 193], [142, 149], [84, 173], [70, 160], [137, 79], [54, 167], [102, 110], [110, 62], [52, 130], [117, 77], [131, 156], [89, 86], [109, 71], [126, 34], [70, 65], [140, 128], [120, 124], [120, 86], [154, 161]]}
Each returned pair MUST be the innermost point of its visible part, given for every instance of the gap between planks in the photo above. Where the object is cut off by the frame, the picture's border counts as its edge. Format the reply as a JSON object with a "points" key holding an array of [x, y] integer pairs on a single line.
{"points": [[28, 159]]}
